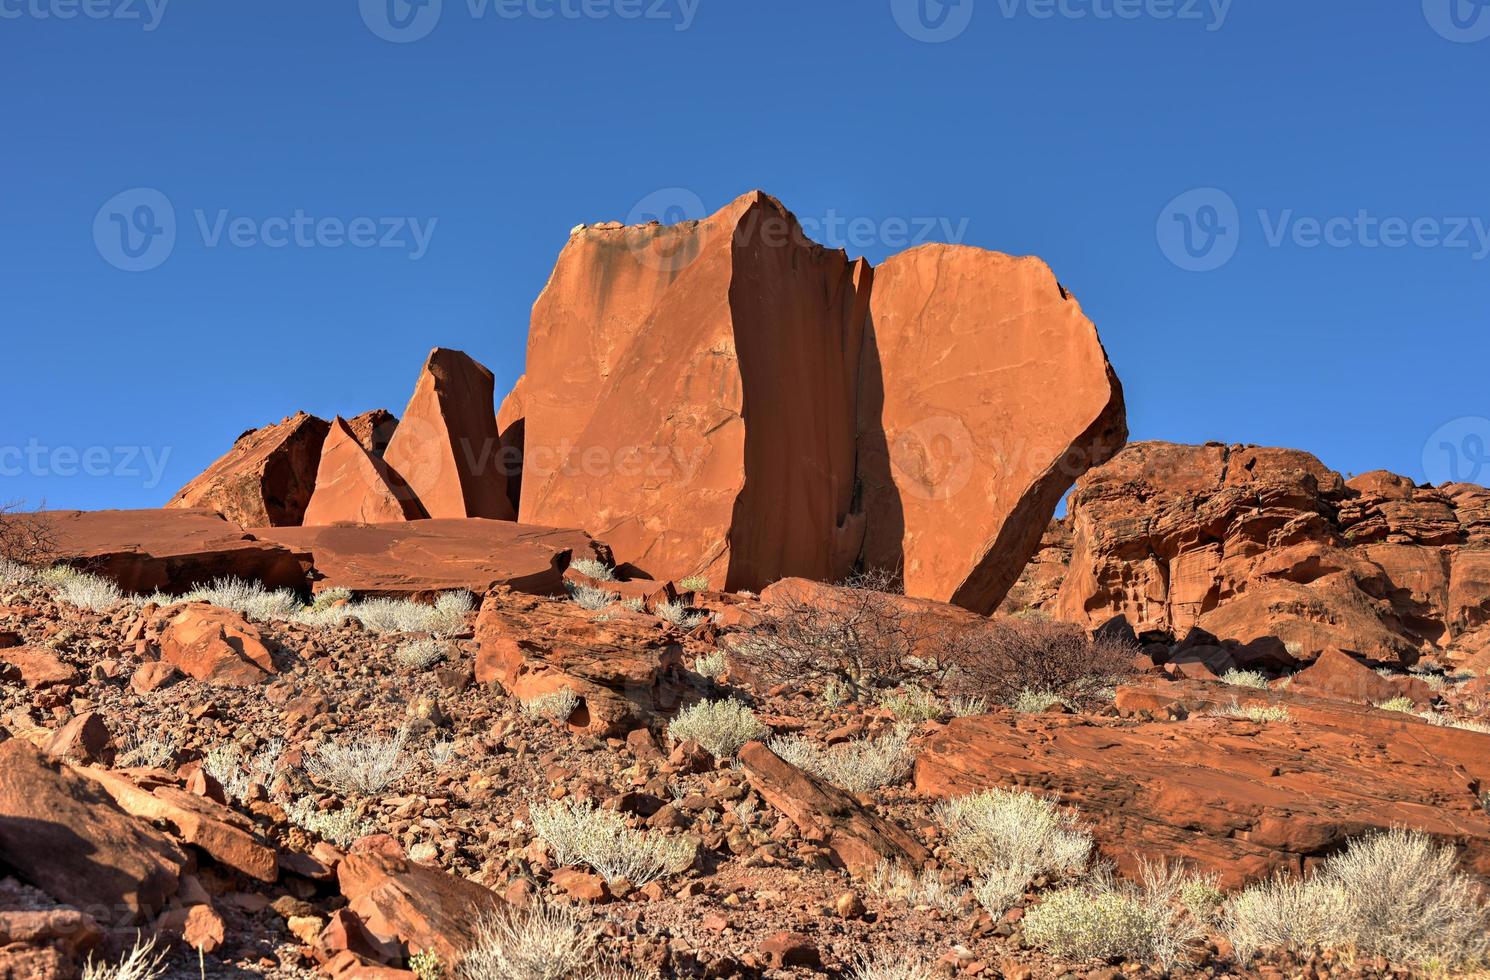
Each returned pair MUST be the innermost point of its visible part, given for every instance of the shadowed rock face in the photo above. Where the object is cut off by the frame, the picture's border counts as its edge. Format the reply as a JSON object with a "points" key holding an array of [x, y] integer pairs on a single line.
{"points": [[687, 396], [353, 484], [266, 479], [1249, 542], [985, 392]]}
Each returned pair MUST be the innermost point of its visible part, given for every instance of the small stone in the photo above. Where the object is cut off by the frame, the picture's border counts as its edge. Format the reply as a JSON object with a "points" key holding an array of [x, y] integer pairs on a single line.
{"points": [[786, 949], [850, 906]]}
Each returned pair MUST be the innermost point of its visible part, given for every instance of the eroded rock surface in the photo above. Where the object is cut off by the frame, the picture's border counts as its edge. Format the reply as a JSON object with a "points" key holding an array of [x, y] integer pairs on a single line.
{"points": [[266, 478]]}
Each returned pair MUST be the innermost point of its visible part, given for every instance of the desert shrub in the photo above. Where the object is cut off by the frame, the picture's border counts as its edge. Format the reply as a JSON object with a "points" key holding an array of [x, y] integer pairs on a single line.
{"points": [[366, 765], [1019, 654], [142, 962], [594, 569], [249, 598], [889, 964], [1402, 704], [859, 636], [1014, 831], [557, 706], [26, 539], [1245, 678], [913, 705], [998, 888], [541, 943], [237, 770], [964, 706], [1261, 713], [678, 614], [327, 598], [1201, 897], [1449, 721], [440, 752], [711, 665], [859, 765], [88, 592], [426, 965], [341, 827], [694, 583], [147, 752], [1029, 702], [589, 597], [422, 654], [836, 693], [925, 890], [1105, 918], [1396, 894], [721, 727], [580, 834]]}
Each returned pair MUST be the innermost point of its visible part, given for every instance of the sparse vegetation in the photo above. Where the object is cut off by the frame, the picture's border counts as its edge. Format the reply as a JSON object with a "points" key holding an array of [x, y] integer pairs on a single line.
{"points": [[580, 834], [237, 771], [1029, 702], [594, 569], [366, 765], [1012, 835], [426, 965], [1396, 894], [589, 597], [422, 654], [913, 705], [967, 707], [890, 964], [1056, 659], [858, 766], [1260, 713], [1402, 704], [142, 962], [556, 707], [149, 752], [721, 727], [1106, 918], [26, 539], [929, 889], [1245, 678], [341, 827], [711, 665], [678, 614], [88, 591], [694, 583]]}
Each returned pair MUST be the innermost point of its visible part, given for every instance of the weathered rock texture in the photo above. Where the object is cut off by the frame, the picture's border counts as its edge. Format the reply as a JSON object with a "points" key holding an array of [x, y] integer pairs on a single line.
{"points": [[985, 392], [688, 396], [355, 485], [170, 550], [374, 430], [423, 558], [1248, 542], [446, 448], [1235, 797], [266, 478]]}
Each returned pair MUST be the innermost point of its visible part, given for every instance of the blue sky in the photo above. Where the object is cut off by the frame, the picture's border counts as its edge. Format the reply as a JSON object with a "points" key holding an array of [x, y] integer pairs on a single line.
{"points": [[435, 176]]}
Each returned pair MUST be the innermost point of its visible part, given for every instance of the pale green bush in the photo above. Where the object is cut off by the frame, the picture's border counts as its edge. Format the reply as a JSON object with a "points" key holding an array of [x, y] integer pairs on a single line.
{"points": [[1105, 918], [890, 964], [1030, 702], [1254, 712], [1015, 831], [1245, 678], [580, 834], [366, 765], [859, 765], [589, 597], [557, 706], [967, 707], [678, 614], [594, 569], [341, 827], [721, 727], [694, 583], [925, 890], [913, 705], [1402, 704], [142, 962], [711, 665], [89, 592], [542, 943], [422, 654]]}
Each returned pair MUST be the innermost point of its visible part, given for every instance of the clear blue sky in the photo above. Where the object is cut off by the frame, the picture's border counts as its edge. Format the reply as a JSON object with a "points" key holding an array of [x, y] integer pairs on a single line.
{"points": [[1064, 136]]}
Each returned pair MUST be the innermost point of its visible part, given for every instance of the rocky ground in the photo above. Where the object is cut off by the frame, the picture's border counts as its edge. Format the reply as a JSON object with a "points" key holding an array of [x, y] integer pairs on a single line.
{"points": [[168, 710]]}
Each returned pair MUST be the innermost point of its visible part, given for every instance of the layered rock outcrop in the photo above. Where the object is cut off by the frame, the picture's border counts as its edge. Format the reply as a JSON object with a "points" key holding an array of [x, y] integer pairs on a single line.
{"points": [[1248, 542], [266, 478], [354, 484]]}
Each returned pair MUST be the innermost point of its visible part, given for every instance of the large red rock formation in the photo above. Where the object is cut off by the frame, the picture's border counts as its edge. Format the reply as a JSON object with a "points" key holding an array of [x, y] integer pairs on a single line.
{"points": [[446, 448], [354, 485], [688, 396], [984, 394], [266, 478], [1248, 543], [512, 432], [1231, 796], [170, 550], [374, 430], [424, 558]]}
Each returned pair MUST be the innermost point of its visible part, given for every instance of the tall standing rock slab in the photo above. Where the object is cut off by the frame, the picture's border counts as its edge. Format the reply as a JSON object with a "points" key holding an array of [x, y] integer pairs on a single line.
{"points": [[984, 393], [355, 485], [446, 449], [267, 477], [689, 397]]}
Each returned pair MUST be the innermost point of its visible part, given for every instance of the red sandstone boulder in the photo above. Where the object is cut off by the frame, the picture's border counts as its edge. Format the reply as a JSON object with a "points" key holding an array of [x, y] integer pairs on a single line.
{"points": [[625, 671], [170, 550], [1337, 675], [374, 430], [689, 396], [984, 393], [1231, 796], [38, 668], [421, 907], [419, 559], [355, 485], [216, 646], [446, 449], [59, 832], [266, 478]]}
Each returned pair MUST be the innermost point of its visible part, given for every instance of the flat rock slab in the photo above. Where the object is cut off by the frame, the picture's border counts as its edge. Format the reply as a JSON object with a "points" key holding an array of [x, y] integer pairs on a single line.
{"points": [[399, 901], [423, 558], [1235, 797], [170, 550]]}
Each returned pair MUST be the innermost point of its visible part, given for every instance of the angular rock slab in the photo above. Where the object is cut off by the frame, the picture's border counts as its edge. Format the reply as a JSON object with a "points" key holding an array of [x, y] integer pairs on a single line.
{"points": [[446, 449], [626, 672], [983, 394], [420, 559], [861, 840], [689, 396], [354, 485], [266, 478], [61, 833], [170, 550], [216, 646], [399, 901], [1235, 797]]}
